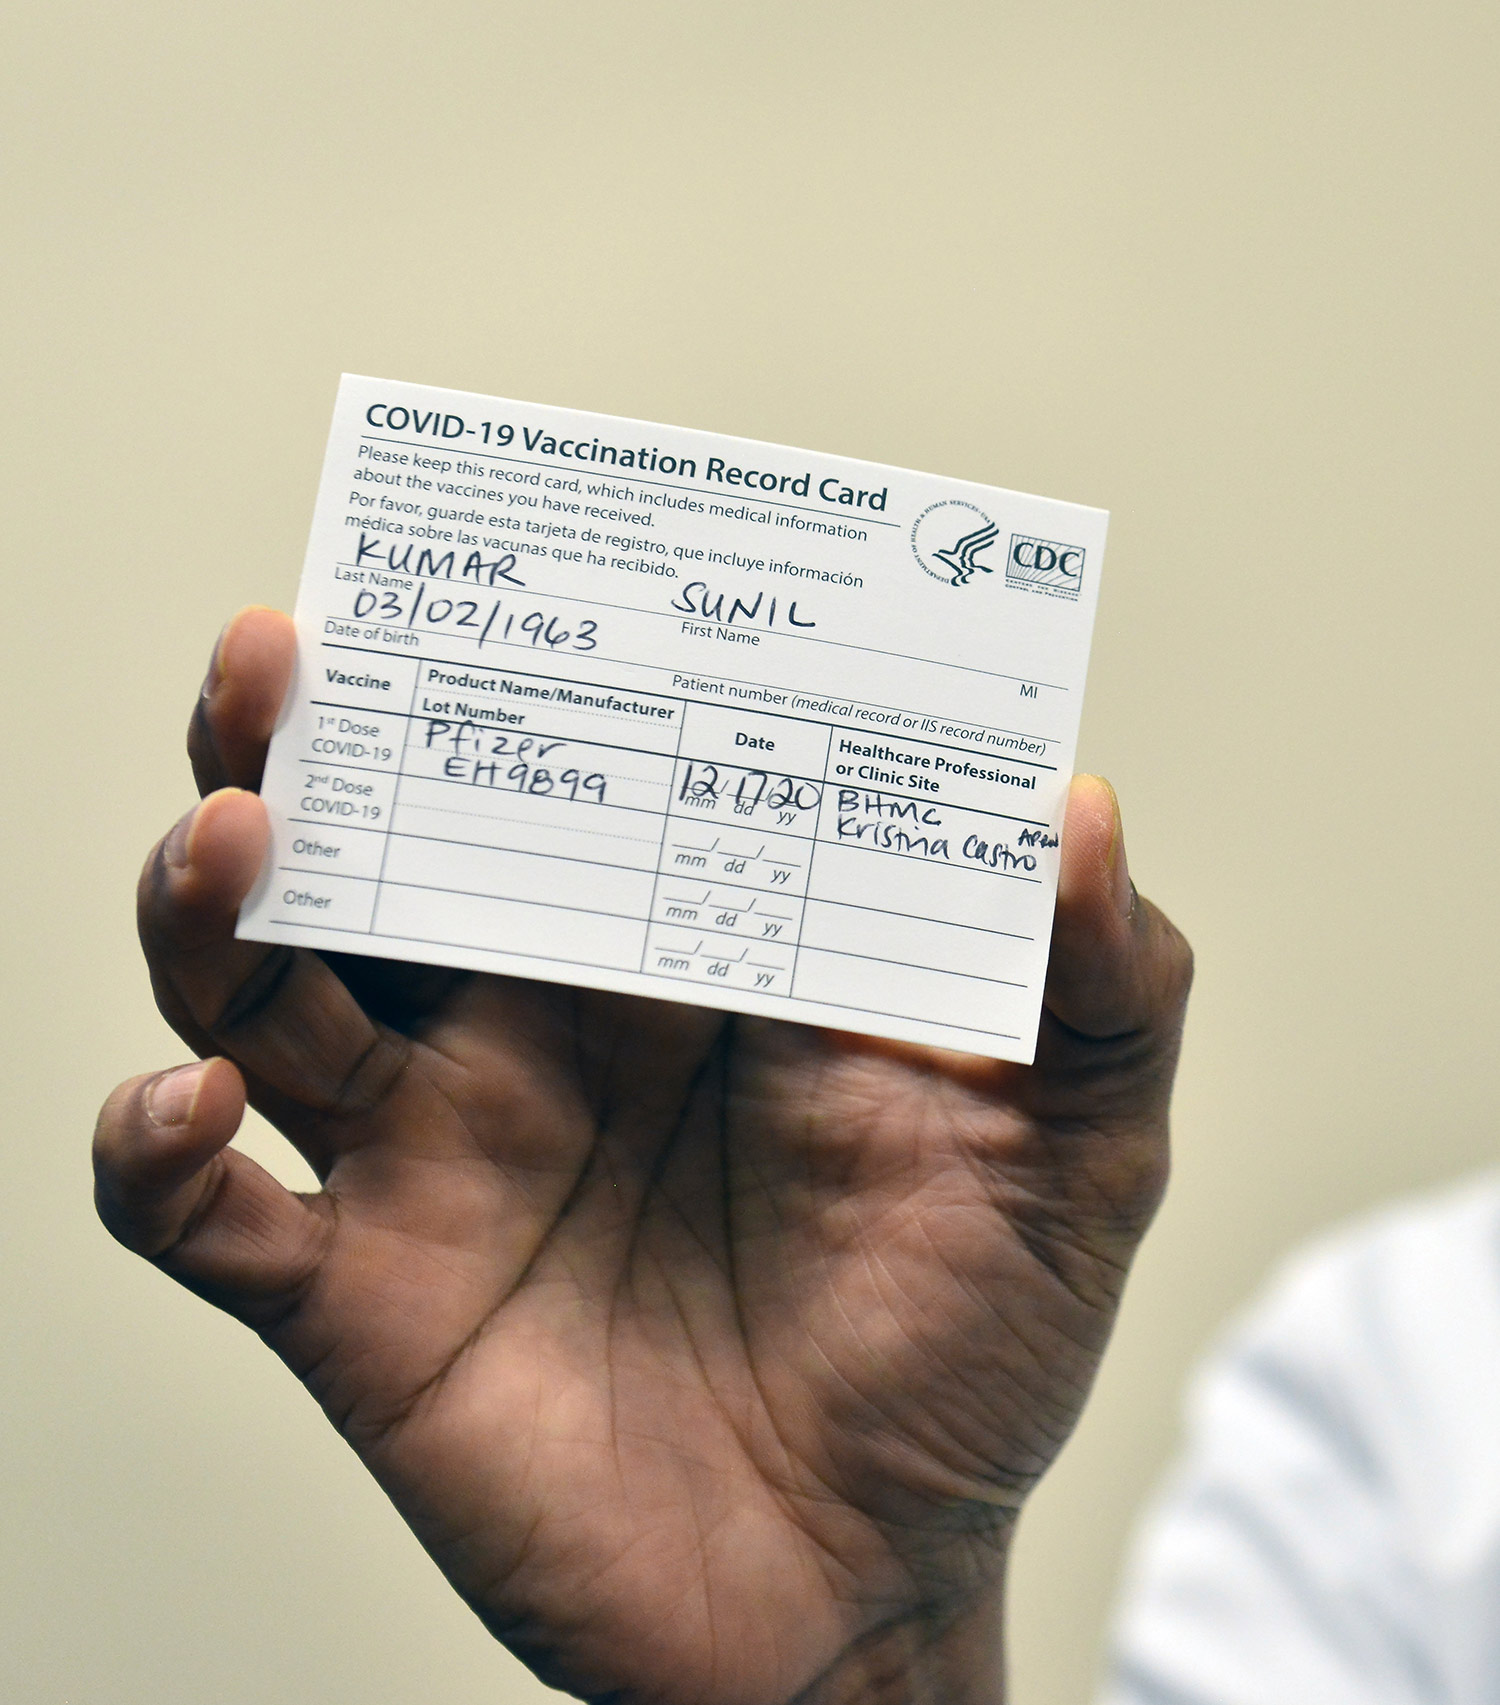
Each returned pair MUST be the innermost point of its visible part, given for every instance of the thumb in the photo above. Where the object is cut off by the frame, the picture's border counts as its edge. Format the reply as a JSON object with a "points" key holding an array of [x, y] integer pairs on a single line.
{"points": [[167, 1186], [1118, 967]]}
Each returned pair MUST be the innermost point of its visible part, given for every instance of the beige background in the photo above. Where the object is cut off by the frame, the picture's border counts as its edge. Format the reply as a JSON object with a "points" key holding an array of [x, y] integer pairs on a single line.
{"points": [[1227, 270]]}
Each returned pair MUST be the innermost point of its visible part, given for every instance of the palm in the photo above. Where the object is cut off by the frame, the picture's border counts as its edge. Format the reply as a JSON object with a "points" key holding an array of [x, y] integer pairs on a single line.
{"points": [[698, 1350], [681, 1316]]}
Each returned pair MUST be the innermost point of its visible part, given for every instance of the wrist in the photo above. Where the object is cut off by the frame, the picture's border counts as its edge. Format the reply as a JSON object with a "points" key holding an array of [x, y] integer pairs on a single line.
{"points": [[927, 1657]]}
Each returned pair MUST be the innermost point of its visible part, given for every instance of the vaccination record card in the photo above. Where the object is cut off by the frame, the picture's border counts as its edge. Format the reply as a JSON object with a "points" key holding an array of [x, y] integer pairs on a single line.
{"points": [[660, 711]]}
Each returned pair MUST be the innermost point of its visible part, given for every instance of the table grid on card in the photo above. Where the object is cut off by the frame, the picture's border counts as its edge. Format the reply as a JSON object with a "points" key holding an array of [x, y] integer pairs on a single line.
{"points": [[694, 843]]}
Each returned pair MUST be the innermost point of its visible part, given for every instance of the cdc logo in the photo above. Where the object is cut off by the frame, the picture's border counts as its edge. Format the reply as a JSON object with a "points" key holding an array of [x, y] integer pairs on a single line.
{"points": [[1044, 565]]}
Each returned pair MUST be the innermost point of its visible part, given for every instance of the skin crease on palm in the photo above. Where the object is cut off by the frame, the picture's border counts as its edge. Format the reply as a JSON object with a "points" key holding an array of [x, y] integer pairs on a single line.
{"points": [[711, 1358]]}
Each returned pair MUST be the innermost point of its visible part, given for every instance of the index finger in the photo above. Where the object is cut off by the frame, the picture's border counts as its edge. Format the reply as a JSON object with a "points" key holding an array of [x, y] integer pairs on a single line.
{"points": [[240, 699]]}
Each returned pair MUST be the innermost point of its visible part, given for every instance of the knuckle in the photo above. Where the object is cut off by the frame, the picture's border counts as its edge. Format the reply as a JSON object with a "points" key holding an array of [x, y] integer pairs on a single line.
{"points": [[256, 998], [202, 748], [113, 1219], [131, 1169], [1153, 1172], [118, 1116], [148, 888], [372, 1076], [1183, 960], [1169, 966]]}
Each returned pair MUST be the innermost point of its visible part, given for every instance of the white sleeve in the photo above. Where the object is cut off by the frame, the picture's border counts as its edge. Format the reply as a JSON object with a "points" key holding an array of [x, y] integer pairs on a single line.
{"points": [[1274, 1570]]}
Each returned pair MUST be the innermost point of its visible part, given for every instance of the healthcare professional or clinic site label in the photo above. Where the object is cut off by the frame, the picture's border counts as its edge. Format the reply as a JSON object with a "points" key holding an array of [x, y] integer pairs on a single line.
{"points": [[654, 710]]}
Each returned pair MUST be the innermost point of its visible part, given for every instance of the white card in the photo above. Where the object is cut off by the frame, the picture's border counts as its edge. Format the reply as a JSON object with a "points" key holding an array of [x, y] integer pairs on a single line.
{"points": [[647, 709]]}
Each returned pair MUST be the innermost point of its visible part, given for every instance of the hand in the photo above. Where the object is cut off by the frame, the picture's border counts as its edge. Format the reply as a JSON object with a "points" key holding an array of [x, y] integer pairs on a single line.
{"points": [[710, 1358]]}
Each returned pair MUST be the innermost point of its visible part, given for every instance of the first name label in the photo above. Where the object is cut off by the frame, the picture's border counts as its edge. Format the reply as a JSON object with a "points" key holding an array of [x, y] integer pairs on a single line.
{"points": [[659, 711]]}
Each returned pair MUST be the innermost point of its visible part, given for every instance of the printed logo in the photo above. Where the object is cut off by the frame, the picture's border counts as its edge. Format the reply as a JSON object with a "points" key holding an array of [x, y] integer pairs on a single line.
{"points": [[949, 540], [1044, 565]]}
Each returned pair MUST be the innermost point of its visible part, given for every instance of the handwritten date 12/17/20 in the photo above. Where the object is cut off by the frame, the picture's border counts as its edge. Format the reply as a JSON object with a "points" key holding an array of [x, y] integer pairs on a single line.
{"points": [[483, 620], [707, 785]]}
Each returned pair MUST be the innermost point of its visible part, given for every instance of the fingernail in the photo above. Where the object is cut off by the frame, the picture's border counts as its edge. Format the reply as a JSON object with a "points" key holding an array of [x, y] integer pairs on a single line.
{"points": [[171, 1099], [176, 847], [1119, 869]]}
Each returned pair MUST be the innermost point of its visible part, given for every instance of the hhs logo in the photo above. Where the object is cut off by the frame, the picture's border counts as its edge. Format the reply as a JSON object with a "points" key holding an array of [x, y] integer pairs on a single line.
{"points": [[1044, 565], [949, 540]]}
